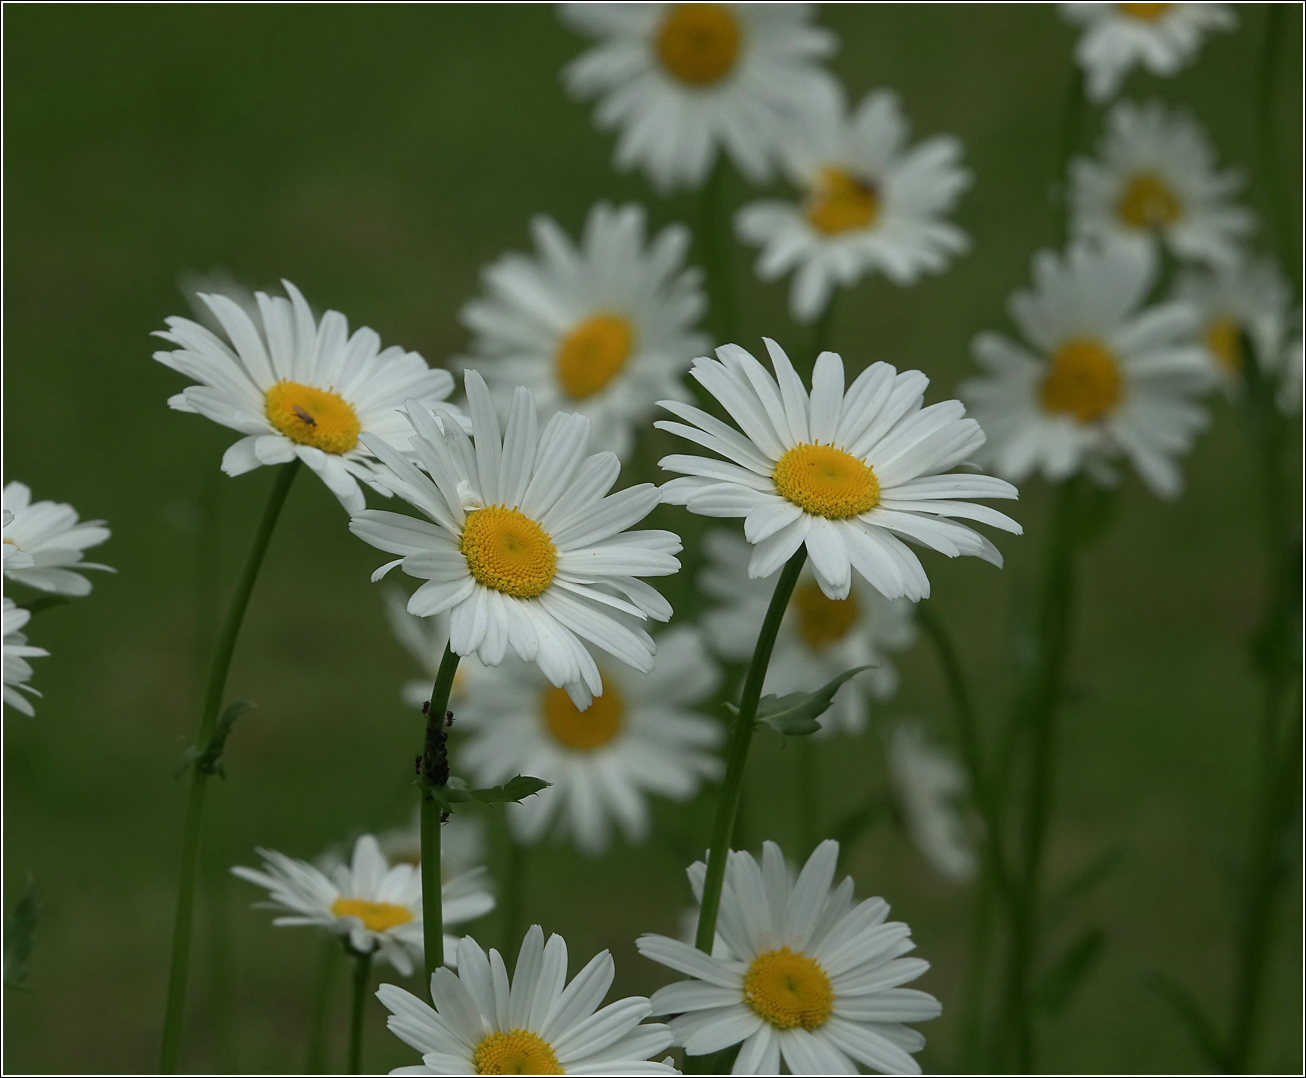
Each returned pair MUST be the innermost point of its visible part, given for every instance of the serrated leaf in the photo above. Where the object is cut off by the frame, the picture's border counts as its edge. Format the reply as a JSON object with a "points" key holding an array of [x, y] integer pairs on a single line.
{"points": [[19, 936], [454, 792], [1191, 1017], [1058, 984], [515, 790], [795, 713]]}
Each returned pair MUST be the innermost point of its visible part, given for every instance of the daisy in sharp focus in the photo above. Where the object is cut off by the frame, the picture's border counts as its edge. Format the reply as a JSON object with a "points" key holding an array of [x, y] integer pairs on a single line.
{"points": [[684, 82], [17, 670], [811, 977], [928, 783], [871, 203], [604, 329], [521, 545], [819, 638], [1155, 181], [848, 474], [535, 1023], [44, 541], [641, 737], [1100, 376], [297, 386]]}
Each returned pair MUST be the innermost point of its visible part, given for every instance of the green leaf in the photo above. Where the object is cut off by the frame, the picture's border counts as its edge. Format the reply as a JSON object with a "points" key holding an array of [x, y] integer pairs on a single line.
{"points": [[795, 713], [1191, 1017], [37, 603], [1086, 879], [1058, 984], [209, 759], [514, 790], [20, 934], [454, 792]]}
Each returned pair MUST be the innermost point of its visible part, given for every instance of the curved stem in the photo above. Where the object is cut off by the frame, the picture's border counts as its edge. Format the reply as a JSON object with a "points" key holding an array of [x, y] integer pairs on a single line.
{"points": [[362, 973], [217, 685], [513, 889], [435, 772]]}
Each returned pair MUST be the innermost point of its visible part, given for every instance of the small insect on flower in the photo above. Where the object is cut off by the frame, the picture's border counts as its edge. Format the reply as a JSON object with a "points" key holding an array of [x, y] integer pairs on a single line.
{"points": [[303, 415]]}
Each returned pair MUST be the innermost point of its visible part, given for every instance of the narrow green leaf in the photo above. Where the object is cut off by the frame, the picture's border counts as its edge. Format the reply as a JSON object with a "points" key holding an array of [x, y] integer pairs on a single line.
{"points": [[454, 792], [1058, 984], [1087, 879], [210, 759], [795, 713], [38, 603], [514, 790], [20, 934], [1191, 1017]]}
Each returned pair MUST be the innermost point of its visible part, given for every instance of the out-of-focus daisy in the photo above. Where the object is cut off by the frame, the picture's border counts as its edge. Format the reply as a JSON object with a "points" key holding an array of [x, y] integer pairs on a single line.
{"points": [[641, 737], [811, 978], [684, 81], [1160, 37], [17, 670], [536, 1024], [378, 906], [44, 541], [1101, 375], [1289, 396], [848, 474], [462, 844], [1156, 181], [871, 203], [522, 547], [297, 386], [604, 329], [819, 637], [1250, 297], [424, 639], [928, 783]]}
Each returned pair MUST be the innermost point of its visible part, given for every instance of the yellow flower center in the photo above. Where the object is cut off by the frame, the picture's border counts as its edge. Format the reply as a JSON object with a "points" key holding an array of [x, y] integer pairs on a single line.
{"points": [[789, 990], [1083, 381], [312, 416], [376, 916], [584, 730], [822, 621], [1148, 202], [518, 1052], [592, 354], [1223, 338], [1147, 12], [826, 482], [509, 552], [839, 202], [699, 43]]}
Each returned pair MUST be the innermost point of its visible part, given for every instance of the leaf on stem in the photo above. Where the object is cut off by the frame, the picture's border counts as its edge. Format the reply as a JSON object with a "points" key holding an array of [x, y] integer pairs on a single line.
{"points": [[515, 790], [795, 713], [1058, 984], [20, 934], [1087, 879], [1191, 1017]]}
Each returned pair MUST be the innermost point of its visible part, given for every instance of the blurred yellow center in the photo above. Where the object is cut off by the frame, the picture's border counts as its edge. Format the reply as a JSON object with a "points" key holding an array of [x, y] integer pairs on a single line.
{"points": [[592, 354], [822, 621], [826, 482], [1148, 202], [584, 730], [789, 990], [376, 916], [312, 416], [699, 43], [1224, 339], [1083, 381], [1148, 12], [518, 1052], [509, 552], [839, 202]]}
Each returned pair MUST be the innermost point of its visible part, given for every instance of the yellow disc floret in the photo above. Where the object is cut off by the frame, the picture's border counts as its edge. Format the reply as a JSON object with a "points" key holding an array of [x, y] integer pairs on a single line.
{"points": [[592, 354], [699, 43], [518, 1052], [789, 990], [584, 730], [822, 621], [1083, 381], [312, 416], [376, 916], [1148, 202], [1224, 339], [840, 202], [509, 552], [1146, 12], [827, 482]]}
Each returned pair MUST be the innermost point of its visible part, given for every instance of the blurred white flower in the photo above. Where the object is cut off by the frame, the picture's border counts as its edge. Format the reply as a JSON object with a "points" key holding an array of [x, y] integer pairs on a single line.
{"points": [[17, 670], [462, 844], [1249, 296], [43, 543], [195, 285], [928, 783], [424, 639], [1289, 397]]}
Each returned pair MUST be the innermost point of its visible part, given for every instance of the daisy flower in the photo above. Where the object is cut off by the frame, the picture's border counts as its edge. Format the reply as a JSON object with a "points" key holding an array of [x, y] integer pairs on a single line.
{"points": [[522, 547], [376, 905], [641, 737], [928, 783], [1289, 397], [462, 843], [17, 670], [297, 386], [1160, 37], [1156, 181], [683, 81], [810, 978], [848, 474], [536, 1024], [819, 638], [1101, 376], [43, 543], [603, 329], [870, 203]]}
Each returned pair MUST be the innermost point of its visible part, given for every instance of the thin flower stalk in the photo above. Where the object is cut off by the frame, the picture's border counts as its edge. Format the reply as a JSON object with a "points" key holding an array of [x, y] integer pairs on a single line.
{"points": [[362, 973], [435, 773]]}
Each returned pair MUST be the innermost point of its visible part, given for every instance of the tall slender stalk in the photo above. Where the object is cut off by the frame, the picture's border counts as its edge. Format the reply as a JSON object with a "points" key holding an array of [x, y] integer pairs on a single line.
{"points": [[514, 887], [362, 973], [317, 1030], [715, 239], [435, 773], [1072, 118], [174, 1015], [808, 796]]}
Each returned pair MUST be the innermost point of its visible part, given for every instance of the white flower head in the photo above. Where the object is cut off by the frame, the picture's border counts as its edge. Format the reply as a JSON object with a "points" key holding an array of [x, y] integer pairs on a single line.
{"points": [[1156, 181], [297, 386], [537, 1023], [377, 905], [641, 737], [683, 82], [819, 637], [850, 475], [1161, 38], [605, 328], [44, 541], [871, 203], [810, 978], [520, 544], [1100, 374], [928, 783], [17, 670]]}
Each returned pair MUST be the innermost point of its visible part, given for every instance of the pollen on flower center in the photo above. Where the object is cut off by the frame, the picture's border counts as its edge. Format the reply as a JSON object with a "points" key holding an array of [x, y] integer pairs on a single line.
{"points": [[592, 354], [376, 916], [840, 202], [1223, 338], [1146, 12], [789, 990], [699, 43], [518, 1052], [583, 730], [822, 621], [312, 416], [1148, 202], [826, 481], [509, 552], [1083, 381]]}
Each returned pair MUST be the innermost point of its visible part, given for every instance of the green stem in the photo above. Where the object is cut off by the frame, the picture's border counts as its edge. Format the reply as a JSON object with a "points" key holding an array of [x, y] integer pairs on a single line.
{"points": [[513, 893], [715, 245], [1071, 120], [218, 903], [317, 1032], [362, 973], [1284, 235], [807, 787], [435, 772], [175, 1014]]}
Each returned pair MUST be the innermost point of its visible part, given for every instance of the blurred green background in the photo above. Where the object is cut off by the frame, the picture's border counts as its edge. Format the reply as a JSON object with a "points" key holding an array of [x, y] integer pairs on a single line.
{"points": [[378, 156]]}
